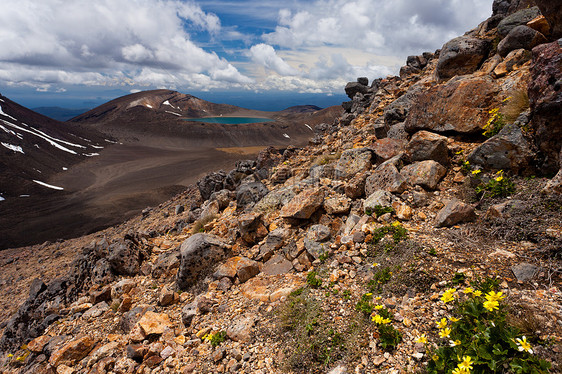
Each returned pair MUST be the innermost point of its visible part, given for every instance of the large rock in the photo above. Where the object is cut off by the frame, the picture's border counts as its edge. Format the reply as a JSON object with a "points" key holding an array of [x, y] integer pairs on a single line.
{"points": [[425, 145], [353, 161], [198, 254], [520, 37], [460, 106], [338, 204], [210, 183], [250, 193], [72, 352], [379, 198], [552, 11], [513, 61], [353, 88], [454, 212], [518, 18], [153, 324], [460, 56], [398, 110], [385, 177], [239, 266], [427, 174], [355, 187], [387, 148], [545, 97], [274, 200], [124, 259], [304, 204], [503, 8], [508, 150]]}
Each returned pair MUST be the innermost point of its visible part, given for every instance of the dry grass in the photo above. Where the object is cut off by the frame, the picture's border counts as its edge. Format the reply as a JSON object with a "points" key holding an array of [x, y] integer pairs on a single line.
{"points": [[517, 104]]}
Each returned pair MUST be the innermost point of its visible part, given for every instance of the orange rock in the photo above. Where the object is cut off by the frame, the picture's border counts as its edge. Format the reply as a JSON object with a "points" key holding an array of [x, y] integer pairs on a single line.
{"points": [[540, 24], [37, 344], [154, 323], [72, 352]]}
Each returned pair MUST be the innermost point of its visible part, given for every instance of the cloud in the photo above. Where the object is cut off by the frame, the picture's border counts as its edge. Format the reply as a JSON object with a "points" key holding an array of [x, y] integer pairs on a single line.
{"points": [[108, 42], [265, 55], [383, 27]]}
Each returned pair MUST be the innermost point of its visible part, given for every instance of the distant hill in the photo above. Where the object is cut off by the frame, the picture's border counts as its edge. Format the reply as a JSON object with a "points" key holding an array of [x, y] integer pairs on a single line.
{"points": [[58, 113], [302, 109]]}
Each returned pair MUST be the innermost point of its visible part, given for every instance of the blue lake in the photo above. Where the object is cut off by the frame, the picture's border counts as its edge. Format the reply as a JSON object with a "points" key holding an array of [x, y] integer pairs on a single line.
{"points": [[230, 120]]}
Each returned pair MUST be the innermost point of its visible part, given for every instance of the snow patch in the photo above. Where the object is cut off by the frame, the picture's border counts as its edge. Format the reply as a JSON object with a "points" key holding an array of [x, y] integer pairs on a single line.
{"points": [[168, 103], [97, 146], [167, 111], [6, 114], [2, 198], [287, 136], [90, 154], [25, 195], [8, 130], [309, 127], [64, 168], [48, 185], [148, 106], [15, 148]]}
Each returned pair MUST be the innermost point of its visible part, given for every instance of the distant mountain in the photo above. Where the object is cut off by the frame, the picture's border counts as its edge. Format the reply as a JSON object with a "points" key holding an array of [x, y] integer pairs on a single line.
{"points": [[302, 109], [58, 113]]}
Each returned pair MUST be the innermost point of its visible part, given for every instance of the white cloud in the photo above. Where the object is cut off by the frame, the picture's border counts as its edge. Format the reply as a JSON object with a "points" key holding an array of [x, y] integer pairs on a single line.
{"points": [[108, 42], [265, 55]]}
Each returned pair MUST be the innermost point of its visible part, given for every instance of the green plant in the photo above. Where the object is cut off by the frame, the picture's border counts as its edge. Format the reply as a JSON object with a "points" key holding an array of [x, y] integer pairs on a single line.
{"points": [[479, 340], [495, 123], [389, 337], [379, 210], [458, 278], [346, 294], [500, 186], [364, 304], [397, 231], [380, 278], [312, 280], [466, 168], [432, 251], [216, 338]]}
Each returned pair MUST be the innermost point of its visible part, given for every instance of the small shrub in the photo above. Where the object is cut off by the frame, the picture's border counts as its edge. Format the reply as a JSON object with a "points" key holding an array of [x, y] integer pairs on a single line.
{"points": [[500, 186], [312, 280], [495, 123], [380, 278], [389, 337], [199, 225], [398, 232], [216, 338], [458, 278], [364, 305], [379, 210]]}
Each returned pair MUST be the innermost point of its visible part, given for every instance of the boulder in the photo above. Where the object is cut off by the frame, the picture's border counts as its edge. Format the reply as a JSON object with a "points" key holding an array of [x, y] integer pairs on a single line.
{"points": [[165, 263], [274, 200], [353, 161], [124, 259], [198, 253], [277, 265], [460, 56], [520, 37], [426, 174], [210, 183], [239, 266], [459, 106], [540, 24], [508, 150], [152, 324], [552, 11], [355, 187], [545, 97], [425, 145], [518, 18], [250, 193], [353, 88], [397, 131], [72, 352], [504, 8], [223, 198], [303, 205], [241, 329], [454, 212], [387, 148], [398, 110], [385, 177], [338, 204], [524, 271]]}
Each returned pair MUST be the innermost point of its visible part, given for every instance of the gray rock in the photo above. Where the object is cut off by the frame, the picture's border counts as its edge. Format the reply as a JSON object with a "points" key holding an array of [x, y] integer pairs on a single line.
{"points": [[517, 19], [124, 259], [425, 145], [454, 212], [354, 161], [363, 80], [165, 263], [179, 209], [460, 56], [276, 265], [353, 88], [508, 150], [274, 200], [318, 233], [379, 198], [198, 254], [338, 204], [247, 269], [250, 193], [210, 183], [385, 177], [397, 111], [426, 174], [209, 209], [524, 271], [397, 131], [520, 37], [241, 330], [223, 198]]}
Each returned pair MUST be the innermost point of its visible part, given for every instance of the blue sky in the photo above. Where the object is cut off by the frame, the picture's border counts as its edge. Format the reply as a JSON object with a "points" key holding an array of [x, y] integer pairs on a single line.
{"points": [[81, 53]]}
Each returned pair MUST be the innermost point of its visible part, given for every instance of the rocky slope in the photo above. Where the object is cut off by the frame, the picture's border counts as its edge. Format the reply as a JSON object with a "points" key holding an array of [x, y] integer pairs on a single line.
{"points": [[293, 262]]}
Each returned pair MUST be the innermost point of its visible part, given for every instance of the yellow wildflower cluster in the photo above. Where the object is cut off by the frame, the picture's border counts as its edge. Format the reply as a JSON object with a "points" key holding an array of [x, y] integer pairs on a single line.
{"points": [[464, 366], [523, 345], [379, 320], [448, 295]]}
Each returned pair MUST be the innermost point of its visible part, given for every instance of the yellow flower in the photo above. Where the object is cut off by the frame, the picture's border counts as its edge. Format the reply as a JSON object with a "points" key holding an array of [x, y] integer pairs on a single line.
{"points": [[493, 296], [369, 294], [491, 305], [448, 295], [421, 339], [10, 355], [499, 179], [378, 297], [476, 172], [523, 345], [468, 290], [442, 324], [378, 319], [396, 223], [466, 363], [499, 172], [459, 371], [379, 307], [477, 293], [506, 99], [445, 332], [453, 319]]}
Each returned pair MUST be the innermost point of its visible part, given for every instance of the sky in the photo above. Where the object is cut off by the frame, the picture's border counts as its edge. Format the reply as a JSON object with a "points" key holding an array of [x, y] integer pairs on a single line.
{"points": [[81, 53]]}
